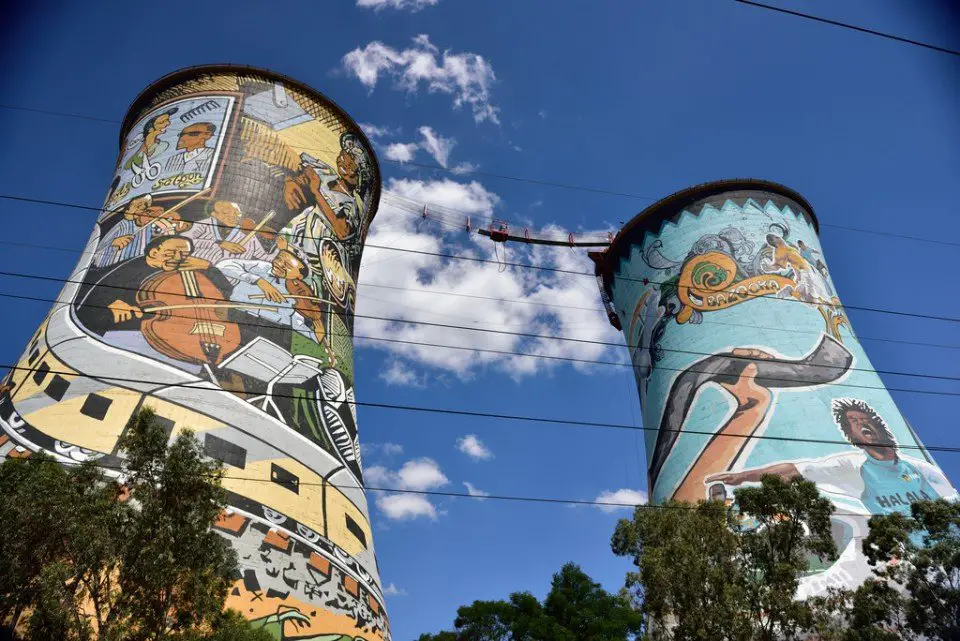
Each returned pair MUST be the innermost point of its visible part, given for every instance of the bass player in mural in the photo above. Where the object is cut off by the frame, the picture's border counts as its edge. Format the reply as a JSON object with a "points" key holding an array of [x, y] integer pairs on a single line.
{"points": [[167, 304]]}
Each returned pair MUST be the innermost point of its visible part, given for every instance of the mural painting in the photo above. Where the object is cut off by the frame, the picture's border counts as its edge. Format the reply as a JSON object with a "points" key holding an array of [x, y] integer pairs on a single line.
{"points": [[735, 330], [218, 288]]}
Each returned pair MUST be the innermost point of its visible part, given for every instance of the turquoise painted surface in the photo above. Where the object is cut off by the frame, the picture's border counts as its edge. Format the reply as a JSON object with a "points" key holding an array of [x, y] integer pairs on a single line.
{"points": [[744, 281]]}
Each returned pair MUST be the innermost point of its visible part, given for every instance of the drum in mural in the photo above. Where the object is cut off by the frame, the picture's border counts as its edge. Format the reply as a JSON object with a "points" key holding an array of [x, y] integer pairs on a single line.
{"points": [[218, 289], [735, 330]]}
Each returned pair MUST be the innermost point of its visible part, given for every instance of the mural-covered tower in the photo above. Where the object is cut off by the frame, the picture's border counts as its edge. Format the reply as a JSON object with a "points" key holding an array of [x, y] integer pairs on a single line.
{"points": [[218, 288], [735, 330]]}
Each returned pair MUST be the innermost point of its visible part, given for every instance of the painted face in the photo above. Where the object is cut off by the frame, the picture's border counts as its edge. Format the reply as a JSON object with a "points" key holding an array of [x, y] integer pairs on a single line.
{"points": [[136, 208], [863, 429], [193, 137], [226, 212], [161, 123], [347, 168], [285, 265], [169, 256]]}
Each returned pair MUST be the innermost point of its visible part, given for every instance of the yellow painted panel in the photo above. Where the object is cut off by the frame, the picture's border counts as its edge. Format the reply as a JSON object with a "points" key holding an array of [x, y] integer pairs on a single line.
{"points": [[306, 507], [338, 507], [182, 417], [64, 421]]}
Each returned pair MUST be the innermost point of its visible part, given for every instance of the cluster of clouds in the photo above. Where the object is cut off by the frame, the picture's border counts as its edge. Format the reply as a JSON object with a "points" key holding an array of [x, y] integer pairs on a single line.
{"points": [[466, 77], [421, 474], [411, 5], [420, 300]]}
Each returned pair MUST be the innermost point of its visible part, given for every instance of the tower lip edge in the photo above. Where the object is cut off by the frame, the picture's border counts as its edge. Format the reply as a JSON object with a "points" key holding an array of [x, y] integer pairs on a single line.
{"points": [[603, 260], [186, 73]]}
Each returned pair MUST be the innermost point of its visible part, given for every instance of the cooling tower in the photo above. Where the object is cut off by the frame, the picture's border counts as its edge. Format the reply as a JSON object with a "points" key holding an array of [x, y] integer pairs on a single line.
{"points": [[735, 330], [218, 289]]}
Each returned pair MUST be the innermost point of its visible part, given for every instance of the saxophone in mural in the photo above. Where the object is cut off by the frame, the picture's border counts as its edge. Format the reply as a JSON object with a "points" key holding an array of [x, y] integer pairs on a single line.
{"points": [[735, 331], [218, 289]]}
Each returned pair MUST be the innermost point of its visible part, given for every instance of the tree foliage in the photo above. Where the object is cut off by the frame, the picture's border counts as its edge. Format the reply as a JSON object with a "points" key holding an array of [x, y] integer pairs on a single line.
{"points": [[575, 609], [88, 557], [915, 591], [708, 572]]}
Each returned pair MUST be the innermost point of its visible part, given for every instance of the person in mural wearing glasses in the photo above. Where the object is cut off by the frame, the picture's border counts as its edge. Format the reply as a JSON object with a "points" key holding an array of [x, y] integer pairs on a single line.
{"points": [[876, 472], [192, 153]]}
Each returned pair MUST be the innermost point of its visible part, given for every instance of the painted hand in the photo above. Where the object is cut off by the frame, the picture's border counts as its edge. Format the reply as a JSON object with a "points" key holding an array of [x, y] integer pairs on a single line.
{"points": [[123, 311], [746, 390], [231, 247], [121, 241], [272, 293]]}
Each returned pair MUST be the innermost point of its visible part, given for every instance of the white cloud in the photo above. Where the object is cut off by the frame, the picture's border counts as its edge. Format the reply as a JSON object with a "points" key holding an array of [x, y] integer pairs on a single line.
{"points": [[436, 145], [474, 491], [404, 507], [401, 152], [464, 168], [402, 374], [376, 131], [467, 77], [523, 300], [421, 474], [393, 590], [412, 5], [382, 449], [474, 448], [631, 497]]}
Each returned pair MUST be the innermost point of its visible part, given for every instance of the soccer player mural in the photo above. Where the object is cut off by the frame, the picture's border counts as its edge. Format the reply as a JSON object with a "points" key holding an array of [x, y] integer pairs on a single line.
{"points": [[735, 331], [218, 289]]}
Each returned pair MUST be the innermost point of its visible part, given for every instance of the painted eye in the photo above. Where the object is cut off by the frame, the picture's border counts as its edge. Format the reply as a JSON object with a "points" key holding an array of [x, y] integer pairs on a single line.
{"points": [[363, 573], [340, 552], [273, 516]]}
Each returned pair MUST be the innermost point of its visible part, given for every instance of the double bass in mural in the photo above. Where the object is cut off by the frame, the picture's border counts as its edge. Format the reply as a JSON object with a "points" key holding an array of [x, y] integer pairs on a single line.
{"points": [[735, 330], [218, 289]]}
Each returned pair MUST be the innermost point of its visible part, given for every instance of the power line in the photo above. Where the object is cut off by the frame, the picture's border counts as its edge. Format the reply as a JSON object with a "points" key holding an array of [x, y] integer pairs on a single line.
{"points": [[846, 25], [459, 172], [466, 495], [514, 301], [559, 270], [506, 333], [506, 417]]}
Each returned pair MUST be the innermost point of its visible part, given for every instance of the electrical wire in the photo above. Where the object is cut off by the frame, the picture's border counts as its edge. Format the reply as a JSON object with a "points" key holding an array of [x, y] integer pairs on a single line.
{"points": [[466, 495], [845, 25], [505, 333], [460, 172], [559, 270], [514, 301], [205, 385]]}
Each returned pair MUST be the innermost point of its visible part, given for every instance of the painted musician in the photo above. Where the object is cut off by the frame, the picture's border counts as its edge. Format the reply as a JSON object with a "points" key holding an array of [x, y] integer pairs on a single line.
{"points": [[226, 234], [328, 196], [141, 222], [277, 290], [110, 309]]}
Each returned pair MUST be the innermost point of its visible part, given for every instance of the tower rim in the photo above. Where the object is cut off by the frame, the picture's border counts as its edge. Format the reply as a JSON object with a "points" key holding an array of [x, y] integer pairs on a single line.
{"points": [[186, 73], [604, 260]]}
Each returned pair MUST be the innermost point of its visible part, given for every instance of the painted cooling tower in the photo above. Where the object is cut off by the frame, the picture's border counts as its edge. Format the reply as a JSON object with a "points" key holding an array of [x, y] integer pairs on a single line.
{"points": [[225, 258], [735, 329]]}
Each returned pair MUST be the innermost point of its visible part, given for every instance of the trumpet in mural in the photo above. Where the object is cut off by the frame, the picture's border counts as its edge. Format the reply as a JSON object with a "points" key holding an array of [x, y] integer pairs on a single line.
{"points": [[218, 289], [735, 331]]}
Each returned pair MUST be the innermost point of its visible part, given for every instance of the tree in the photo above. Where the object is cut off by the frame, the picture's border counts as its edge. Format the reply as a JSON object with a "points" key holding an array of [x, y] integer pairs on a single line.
{"points": [[91, 558], [712, 572], [915, 590], [575, 609]]}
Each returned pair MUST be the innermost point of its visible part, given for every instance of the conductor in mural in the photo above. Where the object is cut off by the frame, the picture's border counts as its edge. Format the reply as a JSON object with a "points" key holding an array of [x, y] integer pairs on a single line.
{"points": [[876, 471]]}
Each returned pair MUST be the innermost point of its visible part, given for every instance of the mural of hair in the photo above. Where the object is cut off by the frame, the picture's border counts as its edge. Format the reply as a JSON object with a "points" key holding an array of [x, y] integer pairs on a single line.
{"points": [[841, 406]]}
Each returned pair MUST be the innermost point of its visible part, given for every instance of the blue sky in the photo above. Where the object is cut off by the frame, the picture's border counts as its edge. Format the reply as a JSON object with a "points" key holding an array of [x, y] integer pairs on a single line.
{"points": [[640, 97]]}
